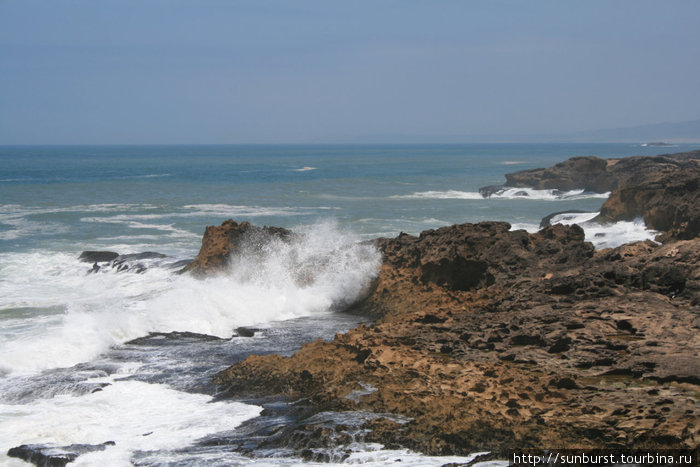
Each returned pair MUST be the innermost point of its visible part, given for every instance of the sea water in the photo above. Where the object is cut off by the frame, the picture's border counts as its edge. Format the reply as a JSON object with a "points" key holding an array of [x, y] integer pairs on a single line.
{"points": [[71, 370]]}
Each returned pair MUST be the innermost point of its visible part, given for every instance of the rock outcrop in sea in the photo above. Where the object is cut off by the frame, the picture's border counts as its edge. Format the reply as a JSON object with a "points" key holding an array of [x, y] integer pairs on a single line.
{"points": [[492, 339], [596, 175], [220, 242]]}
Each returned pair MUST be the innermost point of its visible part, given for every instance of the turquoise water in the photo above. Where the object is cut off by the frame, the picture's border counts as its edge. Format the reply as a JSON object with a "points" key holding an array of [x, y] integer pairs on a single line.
{"points": [[146, 197]]}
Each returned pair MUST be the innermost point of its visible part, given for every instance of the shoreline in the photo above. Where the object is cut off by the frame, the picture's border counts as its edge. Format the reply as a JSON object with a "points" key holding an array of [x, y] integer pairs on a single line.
{"points": [[491, 339]]}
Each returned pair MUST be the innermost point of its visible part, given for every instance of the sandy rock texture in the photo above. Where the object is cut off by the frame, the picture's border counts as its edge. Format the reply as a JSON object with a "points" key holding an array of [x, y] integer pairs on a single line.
{"points": [[491, 339]]}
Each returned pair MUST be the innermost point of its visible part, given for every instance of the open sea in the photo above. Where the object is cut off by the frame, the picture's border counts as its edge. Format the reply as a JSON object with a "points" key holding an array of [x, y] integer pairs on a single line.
{"points": [[127, 356]]}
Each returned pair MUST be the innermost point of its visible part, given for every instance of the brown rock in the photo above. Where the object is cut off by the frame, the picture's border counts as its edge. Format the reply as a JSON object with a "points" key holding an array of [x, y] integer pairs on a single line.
{"points": [[483, 353], [668, 201], [220, 242], [597, 175]]}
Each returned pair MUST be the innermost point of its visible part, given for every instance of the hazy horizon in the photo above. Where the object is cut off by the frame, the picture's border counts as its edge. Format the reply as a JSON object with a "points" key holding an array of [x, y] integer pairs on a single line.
{"points": [[270, 72]]}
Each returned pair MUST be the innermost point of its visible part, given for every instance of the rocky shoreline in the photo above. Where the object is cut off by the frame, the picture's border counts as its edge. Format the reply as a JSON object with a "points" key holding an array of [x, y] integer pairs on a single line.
{"points": [[491, 339]]}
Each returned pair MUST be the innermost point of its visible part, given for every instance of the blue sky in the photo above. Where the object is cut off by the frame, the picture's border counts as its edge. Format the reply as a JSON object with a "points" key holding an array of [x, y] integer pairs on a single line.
{"points": [[204, 71]]}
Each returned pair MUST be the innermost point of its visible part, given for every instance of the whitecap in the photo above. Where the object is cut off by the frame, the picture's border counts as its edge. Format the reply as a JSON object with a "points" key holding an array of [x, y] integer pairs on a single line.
{"points": [[449, 194], [133, 414], [321, 270], [304, 169], [546, 195], [607, 235]]}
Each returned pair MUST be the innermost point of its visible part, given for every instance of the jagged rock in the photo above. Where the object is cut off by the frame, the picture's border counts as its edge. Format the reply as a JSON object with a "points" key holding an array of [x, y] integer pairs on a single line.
{"points": [[593, 174], [220, 242], [505, 356], [490, 339], [667, 200]]}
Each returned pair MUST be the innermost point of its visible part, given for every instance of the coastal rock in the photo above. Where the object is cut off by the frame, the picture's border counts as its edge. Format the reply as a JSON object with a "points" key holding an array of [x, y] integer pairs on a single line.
{"points": [[220, 242], [491, 339], [587, 172], [547, 220], [592, 174], [54, 456], [668, 200], [97, 256]]}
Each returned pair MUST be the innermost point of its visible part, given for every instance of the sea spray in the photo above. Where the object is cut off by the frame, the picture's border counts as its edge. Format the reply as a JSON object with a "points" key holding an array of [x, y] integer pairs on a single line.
{"points": [[320, 270]]}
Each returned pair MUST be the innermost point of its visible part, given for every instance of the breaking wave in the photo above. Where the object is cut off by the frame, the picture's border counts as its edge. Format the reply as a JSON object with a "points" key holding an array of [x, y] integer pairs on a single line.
{"points": [[321, 270]]}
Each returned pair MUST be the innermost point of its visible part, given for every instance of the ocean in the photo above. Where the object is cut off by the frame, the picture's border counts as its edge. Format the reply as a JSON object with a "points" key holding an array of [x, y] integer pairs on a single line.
{"points": [[127, 356]]}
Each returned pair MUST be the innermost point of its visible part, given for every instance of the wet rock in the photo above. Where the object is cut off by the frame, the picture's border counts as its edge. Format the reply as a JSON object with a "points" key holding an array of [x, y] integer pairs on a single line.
{"points": [[97, 256], [488, 338], [667, 200], [158, 338], [547, 219], [54, 456], [245, 332]]}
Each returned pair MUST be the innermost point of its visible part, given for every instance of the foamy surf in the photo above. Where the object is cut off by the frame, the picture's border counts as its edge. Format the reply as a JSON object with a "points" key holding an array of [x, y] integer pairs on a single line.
{"points": [[319, 271], [609, 235], [132, 414], [449, 194], [508, 194], [546, 195]]}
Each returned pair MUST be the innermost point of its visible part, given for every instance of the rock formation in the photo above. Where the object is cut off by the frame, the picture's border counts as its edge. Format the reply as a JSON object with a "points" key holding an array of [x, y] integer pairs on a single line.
{"points": [[668, 201], [592, 174], [220, 242], [490, 339]]}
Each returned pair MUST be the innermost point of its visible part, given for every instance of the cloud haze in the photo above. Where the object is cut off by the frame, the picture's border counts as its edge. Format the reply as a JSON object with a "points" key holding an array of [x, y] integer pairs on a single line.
{"points": [[175, 71]]}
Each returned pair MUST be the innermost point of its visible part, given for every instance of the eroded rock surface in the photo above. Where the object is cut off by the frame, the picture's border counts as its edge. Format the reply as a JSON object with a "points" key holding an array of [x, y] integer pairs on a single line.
{"points": [[490, 339], [220, 242]]}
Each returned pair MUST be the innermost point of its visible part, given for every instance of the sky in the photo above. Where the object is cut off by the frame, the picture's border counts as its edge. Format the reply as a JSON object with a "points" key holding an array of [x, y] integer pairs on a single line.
{"points": [[308, 71]]}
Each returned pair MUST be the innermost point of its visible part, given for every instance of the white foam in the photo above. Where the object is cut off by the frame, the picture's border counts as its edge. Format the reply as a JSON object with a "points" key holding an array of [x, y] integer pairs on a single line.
{"points": [[572, 218], [546, 195], [321, 270], [15, 216], [619, 233], [506, 193], [304, 169], [133, 414], [530, 228], [449, 194], [609, 235]]}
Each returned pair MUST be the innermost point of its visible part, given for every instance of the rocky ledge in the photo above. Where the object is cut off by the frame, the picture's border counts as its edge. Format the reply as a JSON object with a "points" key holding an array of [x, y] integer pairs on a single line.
{"points": [[593, 174], [663, 190], [491, 339]]}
